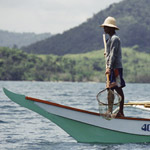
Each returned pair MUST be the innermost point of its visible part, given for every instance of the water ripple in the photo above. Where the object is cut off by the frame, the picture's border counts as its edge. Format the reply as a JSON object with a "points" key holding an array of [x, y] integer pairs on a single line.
{"points": [[22, 129]]}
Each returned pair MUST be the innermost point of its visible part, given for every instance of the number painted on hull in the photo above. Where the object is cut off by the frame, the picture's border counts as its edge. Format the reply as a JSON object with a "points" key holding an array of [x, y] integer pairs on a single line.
{"points": [[146, 127]]}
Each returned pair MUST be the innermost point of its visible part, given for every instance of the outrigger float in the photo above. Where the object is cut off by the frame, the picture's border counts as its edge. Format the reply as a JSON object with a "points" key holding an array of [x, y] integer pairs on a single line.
{"points": [[85, 126]]}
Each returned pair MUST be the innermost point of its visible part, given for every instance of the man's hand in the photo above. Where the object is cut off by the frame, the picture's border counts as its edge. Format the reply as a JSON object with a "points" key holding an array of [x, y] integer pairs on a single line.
{"points": [[107, 71], [111, 85]]}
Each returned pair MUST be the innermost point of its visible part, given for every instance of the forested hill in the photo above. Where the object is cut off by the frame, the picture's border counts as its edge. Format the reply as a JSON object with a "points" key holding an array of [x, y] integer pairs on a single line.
{"points": [[133, 19], [14, 39], [18, 65]]}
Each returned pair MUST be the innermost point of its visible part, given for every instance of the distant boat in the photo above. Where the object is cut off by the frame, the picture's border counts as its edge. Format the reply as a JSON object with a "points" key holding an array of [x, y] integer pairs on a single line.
{"points": [[85, 126]]}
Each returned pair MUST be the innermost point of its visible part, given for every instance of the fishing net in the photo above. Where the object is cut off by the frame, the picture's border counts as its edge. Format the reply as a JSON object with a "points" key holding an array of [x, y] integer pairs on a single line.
{"points": [[108, 101]]}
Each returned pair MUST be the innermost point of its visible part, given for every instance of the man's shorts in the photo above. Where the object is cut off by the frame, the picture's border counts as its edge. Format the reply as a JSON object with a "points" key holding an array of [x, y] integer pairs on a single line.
{"points": [[116, 75]]}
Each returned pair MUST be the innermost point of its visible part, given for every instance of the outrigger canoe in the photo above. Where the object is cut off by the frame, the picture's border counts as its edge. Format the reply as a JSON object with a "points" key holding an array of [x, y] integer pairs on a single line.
{"points": [[86, 126]]}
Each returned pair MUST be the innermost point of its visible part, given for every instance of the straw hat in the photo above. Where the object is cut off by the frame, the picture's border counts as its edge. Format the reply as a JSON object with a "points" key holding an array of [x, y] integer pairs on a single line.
{"points": [[110, 22]]}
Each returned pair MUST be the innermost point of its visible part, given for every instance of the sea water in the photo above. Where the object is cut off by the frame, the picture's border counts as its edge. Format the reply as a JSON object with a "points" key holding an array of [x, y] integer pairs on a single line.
{"points": [[22, 129]]}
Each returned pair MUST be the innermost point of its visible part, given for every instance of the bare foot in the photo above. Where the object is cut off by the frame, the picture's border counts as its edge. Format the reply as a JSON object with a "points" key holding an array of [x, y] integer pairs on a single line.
{"points": [[119, 114]]}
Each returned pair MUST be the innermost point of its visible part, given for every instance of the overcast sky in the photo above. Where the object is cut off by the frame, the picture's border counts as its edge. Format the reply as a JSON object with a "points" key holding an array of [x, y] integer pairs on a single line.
{"points": [[54, 16]]}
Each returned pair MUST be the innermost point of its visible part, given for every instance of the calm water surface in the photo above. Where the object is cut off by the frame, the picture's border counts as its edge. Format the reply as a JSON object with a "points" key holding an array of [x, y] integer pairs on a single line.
{"points": [[22, 129]]}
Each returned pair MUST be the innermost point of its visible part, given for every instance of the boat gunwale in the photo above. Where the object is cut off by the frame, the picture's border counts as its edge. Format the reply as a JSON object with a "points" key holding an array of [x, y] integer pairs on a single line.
{"points": [[81, 110]]}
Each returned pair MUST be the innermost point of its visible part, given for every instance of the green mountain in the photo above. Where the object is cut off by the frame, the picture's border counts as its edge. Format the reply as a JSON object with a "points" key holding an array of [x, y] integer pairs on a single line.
{"points": [[133, 19], [19, 65], [13, 39]]}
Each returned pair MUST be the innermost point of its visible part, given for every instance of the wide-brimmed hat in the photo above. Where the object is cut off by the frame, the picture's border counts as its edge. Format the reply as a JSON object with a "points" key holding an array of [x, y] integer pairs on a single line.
{"points": [[110, 22]]}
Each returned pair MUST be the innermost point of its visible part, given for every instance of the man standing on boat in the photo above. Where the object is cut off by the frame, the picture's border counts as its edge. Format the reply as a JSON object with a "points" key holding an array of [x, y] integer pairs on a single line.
{"points": [[114, 60]]}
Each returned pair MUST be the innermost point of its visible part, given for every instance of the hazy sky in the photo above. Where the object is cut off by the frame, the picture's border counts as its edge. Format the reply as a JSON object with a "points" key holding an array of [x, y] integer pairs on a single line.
{"points": [[54, 16]]}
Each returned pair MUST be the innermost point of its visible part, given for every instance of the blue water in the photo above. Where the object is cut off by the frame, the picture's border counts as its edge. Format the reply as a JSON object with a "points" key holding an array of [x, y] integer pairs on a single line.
{"points": [[22, 129]]}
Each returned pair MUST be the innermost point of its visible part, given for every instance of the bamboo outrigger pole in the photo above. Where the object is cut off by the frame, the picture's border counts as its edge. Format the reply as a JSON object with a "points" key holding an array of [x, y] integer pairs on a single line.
{"points": [[144, 103]]}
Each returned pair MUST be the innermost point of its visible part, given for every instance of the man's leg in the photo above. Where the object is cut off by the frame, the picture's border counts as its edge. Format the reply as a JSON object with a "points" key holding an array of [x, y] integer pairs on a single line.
{"points": [[120, 92], [110, 98]]}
